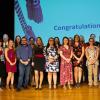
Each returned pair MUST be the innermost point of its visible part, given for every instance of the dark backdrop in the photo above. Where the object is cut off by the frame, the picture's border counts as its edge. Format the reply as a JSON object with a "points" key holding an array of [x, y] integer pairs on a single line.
{"points": [[7, 18]]}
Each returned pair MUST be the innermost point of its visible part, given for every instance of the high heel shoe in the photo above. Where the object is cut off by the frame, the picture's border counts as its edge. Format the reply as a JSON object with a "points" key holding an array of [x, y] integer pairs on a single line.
{"points": [[55, 86], [40, 87], [64, 87], [69, 87], [7, 87], [50, 86], [12, 87]]}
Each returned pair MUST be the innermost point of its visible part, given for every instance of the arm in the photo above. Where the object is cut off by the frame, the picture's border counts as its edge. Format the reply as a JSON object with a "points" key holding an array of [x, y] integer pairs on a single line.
{"points": [[30, 53], [82, 54], [97, 54], [71, 53], [61, 54], [86, 53]]}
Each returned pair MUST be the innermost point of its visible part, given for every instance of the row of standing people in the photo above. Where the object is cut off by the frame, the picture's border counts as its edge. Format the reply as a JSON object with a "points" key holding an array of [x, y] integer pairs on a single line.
{"points": [[52, 59]]}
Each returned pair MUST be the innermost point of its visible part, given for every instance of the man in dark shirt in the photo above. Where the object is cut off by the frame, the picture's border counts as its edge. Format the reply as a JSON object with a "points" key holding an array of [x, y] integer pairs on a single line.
{"points": [[24, 54]]}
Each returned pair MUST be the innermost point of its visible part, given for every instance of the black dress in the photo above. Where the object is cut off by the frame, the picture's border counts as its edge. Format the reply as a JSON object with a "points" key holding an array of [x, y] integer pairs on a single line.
{"points": [[2, 65], [39, 59], [77, 50]]}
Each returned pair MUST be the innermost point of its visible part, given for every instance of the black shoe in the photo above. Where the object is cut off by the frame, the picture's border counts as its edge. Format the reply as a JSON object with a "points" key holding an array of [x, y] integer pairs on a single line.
{"points": [[40, 88], [18, 89], [25, 87], [78, 85], [36, 88]]}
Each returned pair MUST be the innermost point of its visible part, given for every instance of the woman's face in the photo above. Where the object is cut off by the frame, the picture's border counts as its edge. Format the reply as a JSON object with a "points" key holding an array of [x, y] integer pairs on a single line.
{"points": [[39, 42], [51, 41], [81, 39], [56, 40], [18, 39], [11, 43], [91, 41], [77, 38], [31, 41], [65, 41]]}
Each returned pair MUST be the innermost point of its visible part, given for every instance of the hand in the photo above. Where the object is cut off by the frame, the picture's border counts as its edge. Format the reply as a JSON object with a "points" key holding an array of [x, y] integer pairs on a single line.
{"points": [[68, 60], [92, 62], [11, 64], [32, 63], [26, 62], [51, 60]]}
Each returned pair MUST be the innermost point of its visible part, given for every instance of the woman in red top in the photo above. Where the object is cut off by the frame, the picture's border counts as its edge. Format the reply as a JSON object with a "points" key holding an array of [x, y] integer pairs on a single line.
{"points": [[66, 53], [10, 63]]}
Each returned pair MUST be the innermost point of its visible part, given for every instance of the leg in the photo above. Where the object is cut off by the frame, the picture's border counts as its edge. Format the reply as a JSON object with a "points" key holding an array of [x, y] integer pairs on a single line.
{"points": [[55, 79], [27, 72], [36, 78], [8, 80], [33, 81], [90, 74], [76, 74], [95, 73], [41, 79], [21, 75], [49, 79], [80, 74], [0, 84], [12, 80]]}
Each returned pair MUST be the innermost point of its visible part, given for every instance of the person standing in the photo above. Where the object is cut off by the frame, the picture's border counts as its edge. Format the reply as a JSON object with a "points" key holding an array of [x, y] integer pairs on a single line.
{"points": [[17, 45], [66, 76], [2, 63], [78, 53], [92, 53], [24, 54], [10, 64], [52, 62], [39, 62]]}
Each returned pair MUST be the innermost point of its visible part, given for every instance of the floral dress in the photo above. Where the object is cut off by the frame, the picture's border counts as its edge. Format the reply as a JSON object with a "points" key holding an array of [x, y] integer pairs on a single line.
{"points": [[65, 67], [77, 50], [53, 66]]}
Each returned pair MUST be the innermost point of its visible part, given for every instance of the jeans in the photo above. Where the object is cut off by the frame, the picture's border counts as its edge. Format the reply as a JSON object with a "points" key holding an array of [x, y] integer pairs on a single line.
{"points": [[24, 71]]}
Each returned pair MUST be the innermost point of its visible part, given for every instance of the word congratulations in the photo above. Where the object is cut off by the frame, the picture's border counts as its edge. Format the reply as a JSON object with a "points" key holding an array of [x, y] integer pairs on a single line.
{"points": [[73, 27]]}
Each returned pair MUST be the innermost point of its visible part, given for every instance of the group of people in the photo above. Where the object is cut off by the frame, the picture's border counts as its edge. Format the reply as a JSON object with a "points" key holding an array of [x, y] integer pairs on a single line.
{"points": [[26, 62]]}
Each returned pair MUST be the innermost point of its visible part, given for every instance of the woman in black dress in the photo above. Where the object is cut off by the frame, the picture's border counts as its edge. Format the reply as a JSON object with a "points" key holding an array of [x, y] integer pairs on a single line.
{"points": [[39, 63], [2, 67], [78, 53], [17, 45]]}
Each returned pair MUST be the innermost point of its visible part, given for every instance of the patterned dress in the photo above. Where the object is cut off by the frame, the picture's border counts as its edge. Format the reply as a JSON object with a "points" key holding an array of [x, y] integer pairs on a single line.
{"points": [[77, 50], [11, 56], [51, 66], [92, 55], [66, 68]]}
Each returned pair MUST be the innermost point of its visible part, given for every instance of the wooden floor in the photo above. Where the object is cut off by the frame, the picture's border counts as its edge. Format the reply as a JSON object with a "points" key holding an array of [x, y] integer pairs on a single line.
{"points": [[82, 93]]}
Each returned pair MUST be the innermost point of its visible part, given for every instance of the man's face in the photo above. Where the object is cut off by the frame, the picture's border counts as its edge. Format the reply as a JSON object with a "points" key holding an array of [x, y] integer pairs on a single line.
{"points": [[24, 41]]}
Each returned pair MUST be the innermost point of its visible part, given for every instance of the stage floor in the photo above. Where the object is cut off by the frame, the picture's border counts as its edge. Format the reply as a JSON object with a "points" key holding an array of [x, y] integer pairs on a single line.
{"points": [[82, 93]]}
